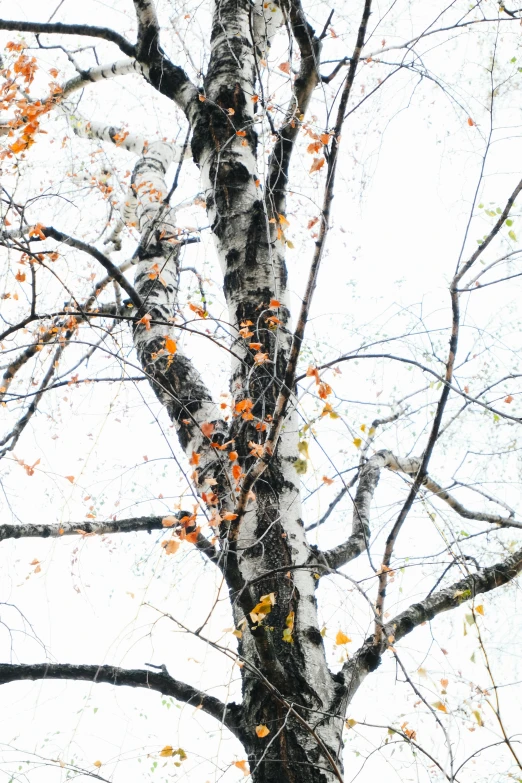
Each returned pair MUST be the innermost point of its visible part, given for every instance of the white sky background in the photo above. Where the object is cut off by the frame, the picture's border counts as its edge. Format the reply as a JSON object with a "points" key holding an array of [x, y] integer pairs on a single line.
{"points": [[410, 167]]}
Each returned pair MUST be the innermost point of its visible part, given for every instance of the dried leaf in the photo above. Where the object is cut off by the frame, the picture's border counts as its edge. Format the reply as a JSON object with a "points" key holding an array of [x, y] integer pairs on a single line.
{"points": [[171, 345], [342, 638], [171, 546], [207, 428], [262, 730], [317, 164]]}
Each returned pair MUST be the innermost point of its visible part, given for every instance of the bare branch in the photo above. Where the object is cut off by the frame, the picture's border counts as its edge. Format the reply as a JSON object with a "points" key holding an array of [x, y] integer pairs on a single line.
{"points": [[228, 714], [107, 264], [60, 28], [101, 73], [483, 581], [368, 657]]}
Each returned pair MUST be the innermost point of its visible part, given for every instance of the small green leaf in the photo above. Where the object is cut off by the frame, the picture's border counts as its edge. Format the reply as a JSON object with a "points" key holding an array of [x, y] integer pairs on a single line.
{"points": [[513, 60], [301, 466], [512, 235], [509, 222]]}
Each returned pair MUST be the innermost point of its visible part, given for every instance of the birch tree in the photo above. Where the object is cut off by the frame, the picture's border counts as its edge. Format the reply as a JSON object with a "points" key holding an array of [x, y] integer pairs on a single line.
{"points": [[263, 101]]}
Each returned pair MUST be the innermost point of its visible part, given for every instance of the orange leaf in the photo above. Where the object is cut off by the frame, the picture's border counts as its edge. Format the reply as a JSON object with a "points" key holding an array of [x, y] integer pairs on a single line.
{"points": [[262, 730], [470, 122], [314, 147], [193, 537], [232, 455], [325, 138], [70, 478], [145, 321], [255, 346], [285, 67], [236, 472], [169, 521], [440, 706], [171, 546], [171, 345], [194, 460], [327, 480], [36, 231], [274, 304], [480, 609], [341, 638], [207, 428], [243, 766], [241, 133], [317, 164], [313, 371], [199, 310], [509, 399], [20, 276], [229, 516]]}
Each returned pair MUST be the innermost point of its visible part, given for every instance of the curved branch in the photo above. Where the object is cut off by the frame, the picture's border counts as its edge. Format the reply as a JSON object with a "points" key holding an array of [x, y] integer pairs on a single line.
{"points": [[70, 29], [368, 656], [101, 73], [228, 714], [483, 581], [107, 264]]}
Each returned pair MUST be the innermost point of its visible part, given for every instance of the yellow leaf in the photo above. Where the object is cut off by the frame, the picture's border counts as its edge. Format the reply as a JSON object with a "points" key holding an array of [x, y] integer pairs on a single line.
{"points": [[480, 609], [357, 443], [440, 706], [350, 723], [262, 730], [97, 764], [263, 608], [167, 751], [303, 448], [341, 638]]}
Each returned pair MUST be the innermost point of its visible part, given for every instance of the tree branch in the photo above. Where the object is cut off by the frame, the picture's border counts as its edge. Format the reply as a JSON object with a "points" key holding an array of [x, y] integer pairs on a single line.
{"points": [[483, 581], [360, 536], [368, 657], [228, 714], [107, 264], [105, 527], [70, 29], [100, 73]]}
